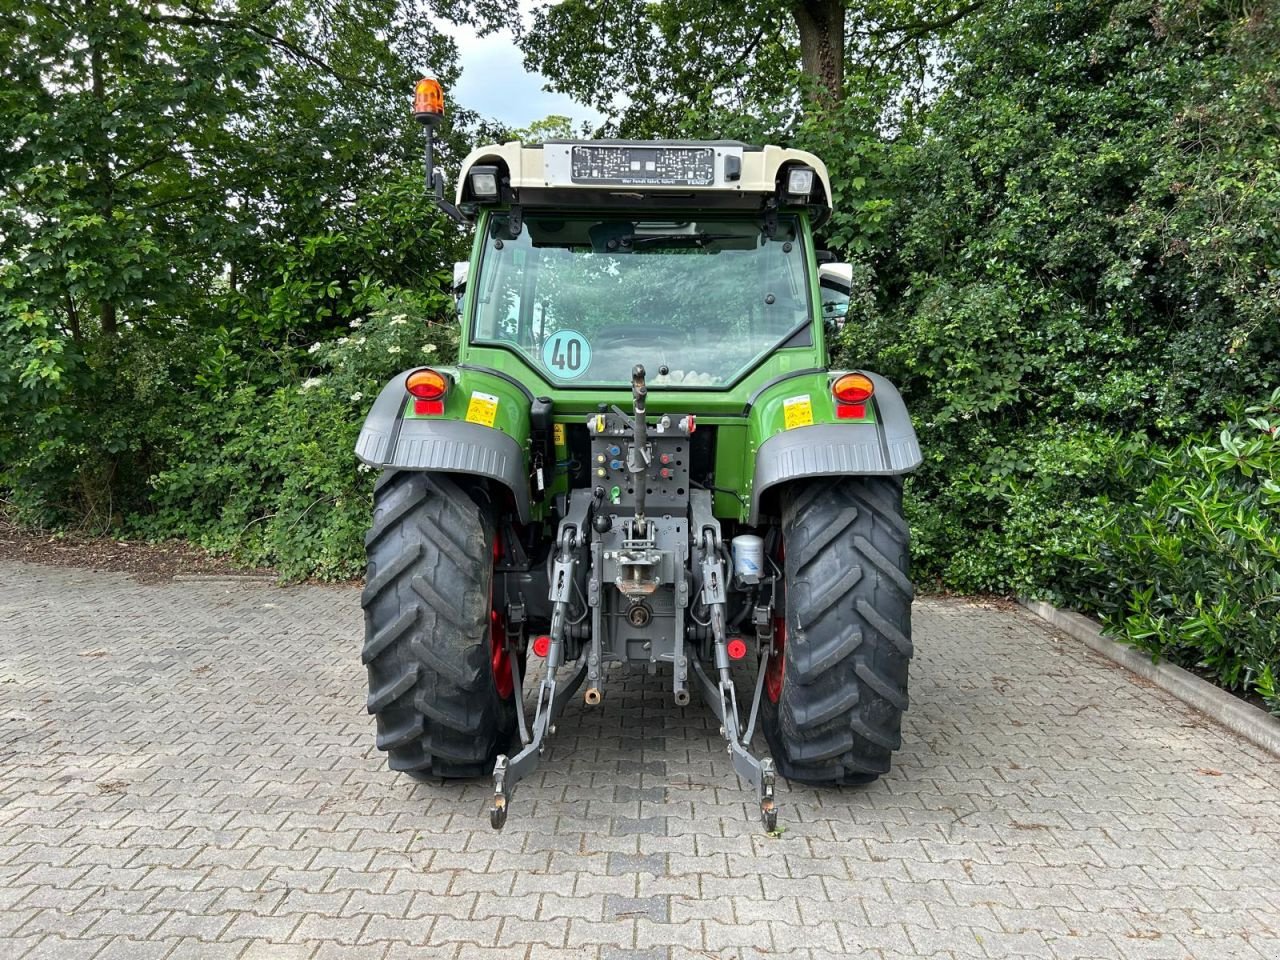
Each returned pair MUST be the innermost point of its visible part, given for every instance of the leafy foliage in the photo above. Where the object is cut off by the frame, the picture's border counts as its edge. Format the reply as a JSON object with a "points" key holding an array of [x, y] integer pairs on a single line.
{"points": [[189, 195], [265, 473], [1069, 262], [1061, 274], [750, 70], [1193, 573]]}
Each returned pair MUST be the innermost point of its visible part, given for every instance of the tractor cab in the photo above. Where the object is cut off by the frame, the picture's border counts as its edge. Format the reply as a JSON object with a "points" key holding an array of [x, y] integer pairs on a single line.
{"points": [[692, 259]]}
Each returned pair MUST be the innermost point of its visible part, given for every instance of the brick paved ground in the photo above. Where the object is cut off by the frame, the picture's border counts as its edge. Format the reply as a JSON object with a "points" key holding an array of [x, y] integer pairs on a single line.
{"points": [[186, 770]]}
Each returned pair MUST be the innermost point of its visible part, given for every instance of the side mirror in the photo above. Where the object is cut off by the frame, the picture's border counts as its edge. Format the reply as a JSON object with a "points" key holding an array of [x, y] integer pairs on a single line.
{"points": [[461, 271], [835, 282], [824, 256]]}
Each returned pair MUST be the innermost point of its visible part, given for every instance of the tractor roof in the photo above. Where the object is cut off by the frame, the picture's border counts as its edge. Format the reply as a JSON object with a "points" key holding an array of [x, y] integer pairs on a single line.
{"points": [[589, 175]]}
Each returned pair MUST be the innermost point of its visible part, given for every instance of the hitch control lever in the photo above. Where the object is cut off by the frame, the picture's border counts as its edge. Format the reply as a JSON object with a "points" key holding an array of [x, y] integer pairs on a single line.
{"points": [[638, 456]]}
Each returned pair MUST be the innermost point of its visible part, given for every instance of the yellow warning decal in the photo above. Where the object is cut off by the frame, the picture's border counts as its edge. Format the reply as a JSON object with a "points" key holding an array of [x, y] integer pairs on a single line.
{"points": [[482, 409], [558, 431], [797, 412]]}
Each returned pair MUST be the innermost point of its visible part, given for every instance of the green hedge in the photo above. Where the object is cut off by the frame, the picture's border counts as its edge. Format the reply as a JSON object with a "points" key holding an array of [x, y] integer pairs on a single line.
{"points": [[269, 475], [1190, 569], [207, 436]]}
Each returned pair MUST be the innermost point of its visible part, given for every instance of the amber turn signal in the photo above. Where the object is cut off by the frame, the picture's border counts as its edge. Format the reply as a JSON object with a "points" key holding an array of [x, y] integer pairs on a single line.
{"points": [[853, 388], [426, 384]]}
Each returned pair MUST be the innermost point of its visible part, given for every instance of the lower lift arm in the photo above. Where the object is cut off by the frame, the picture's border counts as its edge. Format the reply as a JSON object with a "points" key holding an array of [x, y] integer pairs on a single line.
{"points": [[722, 695], [552, 696]]}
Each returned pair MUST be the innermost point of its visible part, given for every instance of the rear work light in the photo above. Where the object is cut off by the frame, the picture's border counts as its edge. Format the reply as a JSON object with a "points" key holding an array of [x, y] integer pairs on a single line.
{"points": [[799, 183], [484, 182], [851, 392], [427, 387]]}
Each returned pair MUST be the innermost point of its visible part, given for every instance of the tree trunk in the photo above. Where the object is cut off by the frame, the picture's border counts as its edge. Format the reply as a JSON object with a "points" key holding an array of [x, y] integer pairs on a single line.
{"points": [[73, 319], [102, 170], [821, 26]]}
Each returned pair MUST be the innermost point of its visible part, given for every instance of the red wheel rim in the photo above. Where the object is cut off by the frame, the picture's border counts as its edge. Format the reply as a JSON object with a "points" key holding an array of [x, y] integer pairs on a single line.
{"points": [[499, 659], [778, 662]]}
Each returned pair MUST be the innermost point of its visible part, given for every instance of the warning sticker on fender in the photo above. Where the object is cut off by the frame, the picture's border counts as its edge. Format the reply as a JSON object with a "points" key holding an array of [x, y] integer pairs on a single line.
{"points": [[797, 412], [482, 409], [559, 434]]}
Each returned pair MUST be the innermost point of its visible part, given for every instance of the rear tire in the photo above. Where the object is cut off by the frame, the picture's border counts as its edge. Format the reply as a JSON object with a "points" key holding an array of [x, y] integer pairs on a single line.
{"points": [[428, 621], [834, 711]]}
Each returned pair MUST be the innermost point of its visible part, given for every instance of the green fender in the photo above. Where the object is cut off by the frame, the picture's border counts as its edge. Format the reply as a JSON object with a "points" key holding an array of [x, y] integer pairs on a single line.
{"points": [[393, 438], [883, 444]]}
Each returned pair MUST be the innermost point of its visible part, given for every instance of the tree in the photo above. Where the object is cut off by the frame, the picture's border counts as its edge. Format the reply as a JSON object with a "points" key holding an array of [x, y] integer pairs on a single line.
{"points": [[173, 172], [153, 154], [821, 27], [751, 69], [553, 127]]}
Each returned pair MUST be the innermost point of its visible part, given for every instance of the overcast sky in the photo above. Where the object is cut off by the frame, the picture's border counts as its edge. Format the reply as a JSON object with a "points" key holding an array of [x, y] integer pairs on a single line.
{"points": [[494, 82]]}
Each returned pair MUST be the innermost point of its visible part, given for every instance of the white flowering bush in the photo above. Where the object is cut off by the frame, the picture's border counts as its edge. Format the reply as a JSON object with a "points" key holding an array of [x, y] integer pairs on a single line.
{"points": [[271, 476], [402, 332]]}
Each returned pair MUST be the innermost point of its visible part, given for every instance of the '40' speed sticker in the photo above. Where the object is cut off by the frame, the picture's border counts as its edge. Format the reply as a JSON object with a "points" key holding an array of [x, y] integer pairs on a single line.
{"points": [[567, 354]]}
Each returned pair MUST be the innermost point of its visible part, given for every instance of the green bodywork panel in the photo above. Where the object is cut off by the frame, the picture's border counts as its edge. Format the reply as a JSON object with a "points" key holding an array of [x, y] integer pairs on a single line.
{"points": [[746, 413]]}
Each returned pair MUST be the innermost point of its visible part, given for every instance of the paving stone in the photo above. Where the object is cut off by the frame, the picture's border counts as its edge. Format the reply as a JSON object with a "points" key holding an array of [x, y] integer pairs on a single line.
{"points": [[58, 948], [653, 908], [652, 953], [621, 864], [626, 826], [215, 793]]}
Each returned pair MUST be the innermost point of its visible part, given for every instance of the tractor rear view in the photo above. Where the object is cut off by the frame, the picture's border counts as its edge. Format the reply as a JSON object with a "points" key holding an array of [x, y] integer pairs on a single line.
{"points": [[640, 461]]}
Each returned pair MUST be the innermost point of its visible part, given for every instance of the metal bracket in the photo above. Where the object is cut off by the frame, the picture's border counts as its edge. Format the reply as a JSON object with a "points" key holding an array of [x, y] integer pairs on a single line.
{"points": [[755, 699], [498, 811], [723, 696], [713, 591], [507, 773], [517, 684], [771, 217], [515, 643], [562, 580], [551, 698], [762, 620], [759, 772], [595, 653]]}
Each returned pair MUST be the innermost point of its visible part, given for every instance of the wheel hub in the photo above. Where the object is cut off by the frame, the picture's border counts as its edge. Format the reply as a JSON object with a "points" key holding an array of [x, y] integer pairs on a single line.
{"points": [[499, 658], [777, 667]]}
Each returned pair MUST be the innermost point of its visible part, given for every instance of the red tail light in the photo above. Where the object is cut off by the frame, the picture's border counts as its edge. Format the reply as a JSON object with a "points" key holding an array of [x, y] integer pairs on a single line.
{"points": [[427, 384], [853, 388]]}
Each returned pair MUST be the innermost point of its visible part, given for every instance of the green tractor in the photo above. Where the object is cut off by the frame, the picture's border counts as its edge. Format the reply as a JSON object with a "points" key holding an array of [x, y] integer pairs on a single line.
{"points": [[640, 459]]}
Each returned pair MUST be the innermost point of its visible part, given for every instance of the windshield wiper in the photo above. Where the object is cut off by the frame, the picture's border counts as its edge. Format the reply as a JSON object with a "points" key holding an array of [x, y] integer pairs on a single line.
{"points": [[672, 238]]}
